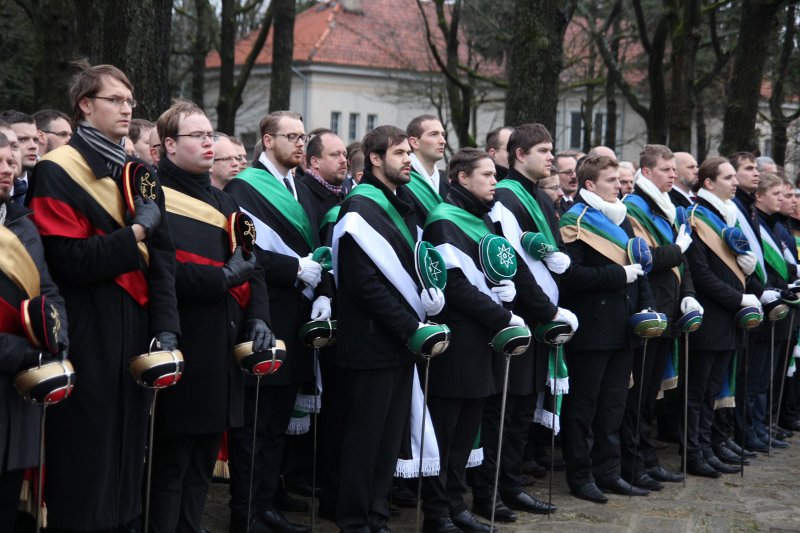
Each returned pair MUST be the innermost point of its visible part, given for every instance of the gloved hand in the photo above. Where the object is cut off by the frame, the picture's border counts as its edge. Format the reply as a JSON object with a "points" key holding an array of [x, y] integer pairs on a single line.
{"points": [[256, 330], [30, 355], [516, 321], [557, 262], [309, 271], [166, 340], [147, 214], [432, 301], [796, 352], [690, 304], [794, 284], [632, 272], [506, 291], [748, 262], [568, 317], [682, 239], [321, 308], [750, 300], [237, 269], [769, 296]]}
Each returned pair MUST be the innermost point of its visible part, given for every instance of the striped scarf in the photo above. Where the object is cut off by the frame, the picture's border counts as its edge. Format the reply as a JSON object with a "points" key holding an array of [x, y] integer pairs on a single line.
{"points": [[113, 154], [335, 189]]}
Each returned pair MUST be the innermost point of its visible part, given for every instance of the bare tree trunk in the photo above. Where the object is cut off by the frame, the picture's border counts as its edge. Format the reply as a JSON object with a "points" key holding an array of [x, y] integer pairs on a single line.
{"points": [[779, 121], [280, 82], [226, 108], [685, 42], [700, 128], [200, 47], [536, 60]]}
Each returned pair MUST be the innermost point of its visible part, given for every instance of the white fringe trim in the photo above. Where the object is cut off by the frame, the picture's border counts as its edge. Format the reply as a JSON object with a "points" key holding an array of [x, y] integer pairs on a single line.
{"points": [[562, 386], [668, 384], [305, 403], [722, 403], [221, 470], [475, 458], [660, 394], [409, 468], [545, 418], [791, 370], [299, 426]]}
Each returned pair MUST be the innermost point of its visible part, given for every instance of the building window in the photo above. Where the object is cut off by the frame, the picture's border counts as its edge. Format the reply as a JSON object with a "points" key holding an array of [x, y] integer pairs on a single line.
{"points": [[575, 130], [372, 121], [336, 118], [353, 126]]}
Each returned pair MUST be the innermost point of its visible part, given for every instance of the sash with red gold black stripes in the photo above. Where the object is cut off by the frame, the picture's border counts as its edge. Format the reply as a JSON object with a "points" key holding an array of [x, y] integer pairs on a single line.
{"points": [[203, 235], [19, 281]]}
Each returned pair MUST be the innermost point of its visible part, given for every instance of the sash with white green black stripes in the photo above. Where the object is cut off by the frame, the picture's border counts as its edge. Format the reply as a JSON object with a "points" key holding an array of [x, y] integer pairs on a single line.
{"points": [[773, 255]]}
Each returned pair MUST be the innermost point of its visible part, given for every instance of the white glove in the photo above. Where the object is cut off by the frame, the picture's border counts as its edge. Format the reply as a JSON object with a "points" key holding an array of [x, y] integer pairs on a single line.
{"points": [[632, 272], [432, 301], [769, 296], [568, 317], [557, 262], [690, 304], [794, 284], [321, 308], [683, 240], [516, 321], [506, 291], [750, 300], [309, 272], [748, 262], [796, 352]]}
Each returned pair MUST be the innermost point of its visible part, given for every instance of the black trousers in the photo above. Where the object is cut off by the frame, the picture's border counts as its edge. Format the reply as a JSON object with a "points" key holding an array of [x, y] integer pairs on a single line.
{"points": [[757, 384], [275, 405], [378, 401], [456, 422], [331, 425], [707, 371], [10, 488], [636, 457], [519, 416], [182, 467], [592, 412]]}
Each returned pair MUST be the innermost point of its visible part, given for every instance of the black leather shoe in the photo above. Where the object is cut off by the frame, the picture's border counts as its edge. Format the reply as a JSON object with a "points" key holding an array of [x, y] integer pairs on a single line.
{"points": [[617, 485], [793, 425], [502, 513], [525, 502], [643, 481], [779, 444], [589, 492], [756, 445], [735, 448], [239, 525], [659, 473], [698, 467], [727, 456], [284, 502], [275, 521], [468, 523], [534, 469], [714, 462], [439, 525], [781, 434]]}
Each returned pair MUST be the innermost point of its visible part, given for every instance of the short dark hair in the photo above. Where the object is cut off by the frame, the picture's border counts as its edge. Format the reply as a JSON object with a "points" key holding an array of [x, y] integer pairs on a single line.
{"points": [[379, 140], [12, 116], [591, 165], [414, 128], [708, 170], [493, 137], [651, 153], [4, 140], [465, 160], [44, 117], [170, 120], [269, 124], [87, 82], [737, 158], [525, 137], [355, 158], [138, 127], [314, 144]]}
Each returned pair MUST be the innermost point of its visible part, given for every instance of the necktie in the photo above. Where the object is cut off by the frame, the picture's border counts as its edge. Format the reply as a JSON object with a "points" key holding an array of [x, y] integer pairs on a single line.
{"points": [[20, 188], [288, 185]]}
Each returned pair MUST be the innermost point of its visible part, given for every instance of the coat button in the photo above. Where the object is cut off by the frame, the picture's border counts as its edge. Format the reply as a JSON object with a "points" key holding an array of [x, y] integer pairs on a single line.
{"points": [[233, 324]]}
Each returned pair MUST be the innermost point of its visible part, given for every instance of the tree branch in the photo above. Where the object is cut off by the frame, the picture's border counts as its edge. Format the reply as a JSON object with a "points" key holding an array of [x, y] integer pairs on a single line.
{"points": [[258, 45]]}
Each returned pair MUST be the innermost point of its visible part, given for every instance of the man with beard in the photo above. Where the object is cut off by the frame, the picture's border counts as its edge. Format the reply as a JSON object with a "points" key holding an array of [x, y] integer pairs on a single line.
{"points": [[379, 308], [681, 193], [222, 300], [115, 268], [497, 148], [427, 138], [565, 164], [283, 211], [52, 130], [23, 276]]}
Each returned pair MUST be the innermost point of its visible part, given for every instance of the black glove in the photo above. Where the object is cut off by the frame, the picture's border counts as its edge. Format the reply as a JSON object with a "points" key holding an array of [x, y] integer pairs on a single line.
{"points": [[148, 214], [256, 330], [238, 269], [30, 357], [166, 340]]}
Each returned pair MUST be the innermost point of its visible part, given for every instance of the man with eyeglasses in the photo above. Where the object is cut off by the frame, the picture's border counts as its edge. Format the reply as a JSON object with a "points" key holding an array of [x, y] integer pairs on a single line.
{"points": [[226, 162], [283, 211], [241, 152], [25, 128], [52, 130], [565, 163], [115, 267]]}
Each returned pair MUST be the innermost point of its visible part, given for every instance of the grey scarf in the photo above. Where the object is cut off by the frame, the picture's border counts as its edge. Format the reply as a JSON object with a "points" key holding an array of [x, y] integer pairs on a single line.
{"points": [[113, 154]]}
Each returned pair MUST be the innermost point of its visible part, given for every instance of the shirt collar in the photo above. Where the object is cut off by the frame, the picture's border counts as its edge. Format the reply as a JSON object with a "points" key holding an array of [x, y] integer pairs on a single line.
{"points": [[433, 179]]}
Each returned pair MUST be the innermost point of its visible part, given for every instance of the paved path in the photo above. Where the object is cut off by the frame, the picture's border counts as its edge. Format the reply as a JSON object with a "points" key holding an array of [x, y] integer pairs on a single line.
{"points": [[767, 499]]}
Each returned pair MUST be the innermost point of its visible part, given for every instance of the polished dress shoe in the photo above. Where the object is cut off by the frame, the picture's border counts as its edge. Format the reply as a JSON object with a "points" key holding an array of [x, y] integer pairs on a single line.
{"points": [[777, 443], [275, 521], [756, 445], [697, 466], [659, 473], [284, 502], [589, 492], [727, 456], [780, 433], [714, 462], [239, 525], [793, 425], [735, 448], [617, 485], [534, 469], [525, 502], [643, 480], [439, 525], [502, 513], [468, 523]]}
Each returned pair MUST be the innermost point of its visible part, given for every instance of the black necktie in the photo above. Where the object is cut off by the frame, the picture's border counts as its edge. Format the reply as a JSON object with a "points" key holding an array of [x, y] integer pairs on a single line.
{"points": [[20, 188], [288, 185]]}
